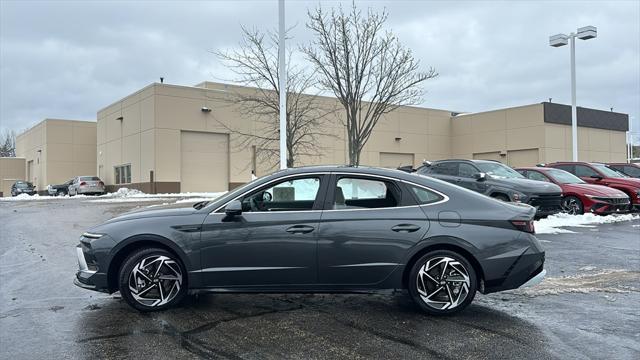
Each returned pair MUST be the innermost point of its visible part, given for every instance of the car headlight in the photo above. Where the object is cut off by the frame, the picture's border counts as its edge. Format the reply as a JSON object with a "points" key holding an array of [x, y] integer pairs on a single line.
{"points": [[590, 196], [92, 236], [518, 196]]}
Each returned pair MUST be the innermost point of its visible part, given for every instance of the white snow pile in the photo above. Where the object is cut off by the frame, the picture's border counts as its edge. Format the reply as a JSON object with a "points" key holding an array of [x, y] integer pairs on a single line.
{"points": [[123, 195], [555, 224]]}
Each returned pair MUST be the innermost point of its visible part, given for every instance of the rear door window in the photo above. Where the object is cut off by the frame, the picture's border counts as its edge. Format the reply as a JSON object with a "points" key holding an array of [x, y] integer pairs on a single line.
{"points": [[447, 168], [353, 193]]}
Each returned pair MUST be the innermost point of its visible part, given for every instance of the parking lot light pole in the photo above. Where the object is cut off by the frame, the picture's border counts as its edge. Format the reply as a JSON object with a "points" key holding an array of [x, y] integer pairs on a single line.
{"points": [[282, 71], [583, 33]]}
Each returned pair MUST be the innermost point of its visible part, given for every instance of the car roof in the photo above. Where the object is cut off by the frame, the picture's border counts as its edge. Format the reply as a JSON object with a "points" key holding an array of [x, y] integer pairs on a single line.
{"points": [[341, 169], [535, 168]]}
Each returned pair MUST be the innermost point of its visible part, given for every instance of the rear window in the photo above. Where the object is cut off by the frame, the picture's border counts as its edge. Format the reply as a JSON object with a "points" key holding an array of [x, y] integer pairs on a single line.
{"points": [[89, 178]]}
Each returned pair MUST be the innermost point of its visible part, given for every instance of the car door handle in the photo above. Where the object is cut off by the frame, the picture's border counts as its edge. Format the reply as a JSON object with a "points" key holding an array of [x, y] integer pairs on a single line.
{"points": [[405, 228], [300, 229]]}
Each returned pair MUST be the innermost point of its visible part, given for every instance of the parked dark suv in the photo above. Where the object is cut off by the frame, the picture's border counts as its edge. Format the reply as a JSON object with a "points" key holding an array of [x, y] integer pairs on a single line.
{"points": [[497, 180]]}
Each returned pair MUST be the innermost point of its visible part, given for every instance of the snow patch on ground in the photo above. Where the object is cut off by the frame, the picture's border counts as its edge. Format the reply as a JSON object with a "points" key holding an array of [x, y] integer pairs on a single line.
{"points": [[122, 195], [607, 281], [554, 224]]}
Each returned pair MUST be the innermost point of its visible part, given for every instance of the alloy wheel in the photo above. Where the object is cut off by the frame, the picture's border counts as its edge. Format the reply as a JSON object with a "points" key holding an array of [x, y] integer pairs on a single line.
{"points": [[443, 283], [155, 280], [571, 206]]}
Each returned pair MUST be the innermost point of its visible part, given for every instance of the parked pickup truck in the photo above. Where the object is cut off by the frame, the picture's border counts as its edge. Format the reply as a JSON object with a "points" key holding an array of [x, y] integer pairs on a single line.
{"points": [[59, 190], [497, 180]]}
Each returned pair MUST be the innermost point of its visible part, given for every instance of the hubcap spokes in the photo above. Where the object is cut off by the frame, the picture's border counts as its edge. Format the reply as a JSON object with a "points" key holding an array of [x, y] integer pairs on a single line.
{"points": [[571, 207], [443, 283], [155, 280]]}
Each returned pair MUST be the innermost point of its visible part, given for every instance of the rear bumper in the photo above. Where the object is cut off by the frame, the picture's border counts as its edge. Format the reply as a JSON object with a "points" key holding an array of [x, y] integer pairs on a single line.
{"points": [[526, 269], [91, 191]]}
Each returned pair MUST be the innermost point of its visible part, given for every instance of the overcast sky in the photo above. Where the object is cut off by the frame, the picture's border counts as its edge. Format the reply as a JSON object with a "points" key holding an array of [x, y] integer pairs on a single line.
{"points": [[68, 59]]}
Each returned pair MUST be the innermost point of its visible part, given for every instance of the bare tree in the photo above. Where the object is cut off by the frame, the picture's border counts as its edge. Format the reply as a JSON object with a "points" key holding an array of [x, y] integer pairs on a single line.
{"points": [[366, 68], [255, 63], [8, 143]]}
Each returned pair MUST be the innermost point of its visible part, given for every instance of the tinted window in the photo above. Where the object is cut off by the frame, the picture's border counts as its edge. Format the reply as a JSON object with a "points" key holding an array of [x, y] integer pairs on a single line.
{"points": [[534, 175], [499, 170], [288, 195], [448, 168], [632, 171], [585, 171], [364, 193], [608, 172], [466, 170], [564, 177], [568, 168], [425, 196], [89, 178]]}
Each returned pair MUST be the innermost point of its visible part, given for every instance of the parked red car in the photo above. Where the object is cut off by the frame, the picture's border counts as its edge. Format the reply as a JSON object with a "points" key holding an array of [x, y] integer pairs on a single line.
{"points": [[600, 174], [579, 197], [632, 170]]}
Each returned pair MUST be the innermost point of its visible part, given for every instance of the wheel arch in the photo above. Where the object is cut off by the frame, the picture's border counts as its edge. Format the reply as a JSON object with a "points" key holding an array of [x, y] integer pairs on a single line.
{"points": [[126, 247], [497, 193], [443, 246]]}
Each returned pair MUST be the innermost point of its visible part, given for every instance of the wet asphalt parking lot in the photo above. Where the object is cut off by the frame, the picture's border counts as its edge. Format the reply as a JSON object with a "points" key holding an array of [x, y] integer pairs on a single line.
{"points": [[588, 307]]}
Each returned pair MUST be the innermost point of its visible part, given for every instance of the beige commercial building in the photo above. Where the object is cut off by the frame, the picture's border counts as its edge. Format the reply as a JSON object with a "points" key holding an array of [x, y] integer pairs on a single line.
{"points": [[11, 170], [56, 150], [539, 133], [169, 138]]}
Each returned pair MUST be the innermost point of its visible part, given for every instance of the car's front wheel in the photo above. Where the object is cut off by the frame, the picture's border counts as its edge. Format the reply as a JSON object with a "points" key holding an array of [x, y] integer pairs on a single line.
{"points": [[572, 205], [442, 282], [152, 279]]}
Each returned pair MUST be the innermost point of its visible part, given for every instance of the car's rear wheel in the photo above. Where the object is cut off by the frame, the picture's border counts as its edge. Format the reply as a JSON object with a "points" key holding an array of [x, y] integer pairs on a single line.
{"points": [[442, 282], [152, 279], [572, 205]]}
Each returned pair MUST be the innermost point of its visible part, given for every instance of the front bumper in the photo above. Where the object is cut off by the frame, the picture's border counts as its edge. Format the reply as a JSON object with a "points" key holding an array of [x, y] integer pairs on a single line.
{"points": [[610, 207], [88, 277], [546, 204]]}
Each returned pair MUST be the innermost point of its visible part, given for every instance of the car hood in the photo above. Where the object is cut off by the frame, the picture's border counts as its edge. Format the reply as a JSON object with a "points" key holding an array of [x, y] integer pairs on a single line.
{"points": [[529, 186], [623, 181], [593, 189], [176, 209]]}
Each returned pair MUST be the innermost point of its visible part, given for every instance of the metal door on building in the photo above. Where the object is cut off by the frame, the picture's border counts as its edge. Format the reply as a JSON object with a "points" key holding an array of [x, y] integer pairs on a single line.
{"points": [[204, 162]]}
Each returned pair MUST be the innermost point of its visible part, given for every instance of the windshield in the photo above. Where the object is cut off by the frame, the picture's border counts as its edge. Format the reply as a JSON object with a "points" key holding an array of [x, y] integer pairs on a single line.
{"points": [[498, 170], [563, 177], [24, 185], [608, 172]]}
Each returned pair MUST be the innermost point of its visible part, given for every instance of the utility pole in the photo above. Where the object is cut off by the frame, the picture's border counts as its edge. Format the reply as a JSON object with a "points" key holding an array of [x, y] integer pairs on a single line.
{"points": [[282, 71]]}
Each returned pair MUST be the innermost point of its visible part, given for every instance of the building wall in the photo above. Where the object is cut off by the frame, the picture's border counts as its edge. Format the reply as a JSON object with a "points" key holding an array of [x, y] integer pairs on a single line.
{"points": [[593, 144], [56, 150], [11, 170], [513, 136], [153, 120]]}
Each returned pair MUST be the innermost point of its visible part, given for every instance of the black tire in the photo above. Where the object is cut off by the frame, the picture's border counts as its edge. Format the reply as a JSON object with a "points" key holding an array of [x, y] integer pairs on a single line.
{"points": [[419, 289], [125, 277], [572, 205], [501, 198]]}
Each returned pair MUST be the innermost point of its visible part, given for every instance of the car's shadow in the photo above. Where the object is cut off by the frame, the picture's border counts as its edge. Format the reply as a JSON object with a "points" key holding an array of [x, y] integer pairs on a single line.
{"points": [[304, 326]]}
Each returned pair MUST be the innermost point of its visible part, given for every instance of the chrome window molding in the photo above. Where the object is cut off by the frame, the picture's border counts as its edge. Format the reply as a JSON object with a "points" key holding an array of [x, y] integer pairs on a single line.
{"points": [[445, 198]]}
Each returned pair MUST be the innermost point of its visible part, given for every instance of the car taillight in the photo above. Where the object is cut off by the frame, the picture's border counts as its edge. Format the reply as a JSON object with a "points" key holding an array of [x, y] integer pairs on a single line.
{"points": [[101, 183], [83, 183], [524, 225]]}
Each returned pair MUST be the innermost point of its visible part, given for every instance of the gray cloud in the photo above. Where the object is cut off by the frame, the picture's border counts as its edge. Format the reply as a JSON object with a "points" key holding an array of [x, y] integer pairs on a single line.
{"points": [[68, 59]]}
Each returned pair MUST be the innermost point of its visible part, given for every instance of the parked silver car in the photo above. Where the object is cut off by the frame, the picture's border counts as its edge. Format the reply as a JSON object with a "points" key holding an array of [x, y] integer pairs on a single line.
{"points": [[86, 185]]}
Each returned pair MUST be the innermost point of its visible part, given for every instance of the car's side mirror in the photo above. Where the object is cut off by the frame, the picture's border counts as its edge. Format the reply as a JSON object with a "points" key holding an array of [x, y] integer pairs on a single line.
{"points": [[233, 208], [597, 177], [480, 176]]}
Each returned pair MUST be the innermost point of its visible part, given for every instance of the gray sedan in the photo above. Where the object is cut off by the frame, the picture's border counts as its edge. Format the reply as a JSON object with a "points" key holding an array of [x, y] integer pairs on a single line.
{"points": [[319, 229], [86, 185]]}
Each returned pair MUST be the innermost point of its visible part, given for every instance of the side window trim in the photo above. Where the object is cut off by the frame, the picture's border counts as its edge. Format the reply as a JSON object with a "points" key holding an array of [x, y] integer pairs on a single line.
{"points": [[317, 206]]}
